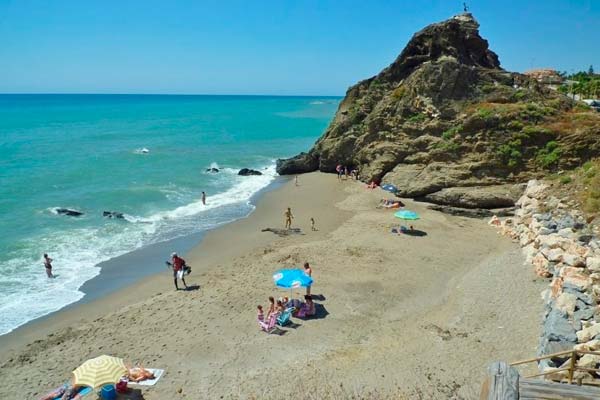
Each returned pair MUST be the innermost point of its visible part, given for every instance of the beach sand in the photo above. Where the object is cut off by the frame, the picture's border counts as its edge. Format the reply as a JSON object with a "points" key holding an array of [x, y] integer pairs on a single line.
{"points": [[399, 316]]}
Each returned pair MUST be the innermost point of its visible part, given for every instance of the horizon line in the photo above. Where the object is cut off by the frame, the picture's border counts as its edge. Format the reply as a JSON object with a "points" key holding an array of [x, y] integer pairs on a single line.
{"points": [[162, 94]]}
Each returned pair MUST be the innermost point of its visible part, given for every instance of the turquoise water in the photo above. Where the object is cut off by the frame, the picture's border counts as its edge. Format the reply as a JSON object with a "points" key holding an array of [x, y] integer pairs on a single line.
{"points": [[84, 152]]}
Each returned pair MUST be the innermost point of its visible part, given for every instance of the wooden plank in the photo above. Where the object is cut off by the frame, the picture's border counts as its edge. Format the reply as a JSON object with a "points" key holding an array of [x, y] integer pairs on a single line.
{"points": [[546, 390], [501, 383], [560, 353]]}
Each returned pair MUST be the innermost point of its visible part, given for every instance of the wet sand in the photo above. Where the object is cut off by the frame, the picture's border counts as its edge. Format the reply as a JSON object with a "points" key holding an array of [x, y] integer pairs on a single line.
{"points": [[419, 317]]}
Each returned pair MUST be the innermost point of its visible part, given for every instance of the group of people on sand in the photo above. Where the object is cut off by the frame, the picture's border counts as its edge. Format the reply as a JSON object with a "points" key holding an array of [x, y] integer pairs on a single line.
{"points": [[343, 173], [296, 307], [70, 391]]}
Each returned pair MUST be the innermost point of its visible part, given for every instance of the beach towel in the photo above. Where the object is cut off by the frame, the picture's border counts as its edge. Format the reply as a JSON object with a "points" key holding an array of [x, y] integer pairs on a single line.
{"points": [[158, 373], [86, 390]]}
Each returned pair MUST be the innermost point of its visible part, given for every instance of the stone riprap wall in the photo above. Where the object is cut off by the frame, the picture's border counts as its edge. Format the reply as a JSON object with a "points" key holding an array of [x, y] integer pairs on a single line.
{"points": [[560, 245]]}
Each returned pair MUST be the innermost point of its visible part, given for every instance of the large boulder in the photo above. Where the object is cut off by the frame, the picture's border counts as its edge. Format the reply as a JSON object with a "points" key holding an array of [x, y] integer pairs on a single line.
{"points": [[497, 196], [303, 162]]}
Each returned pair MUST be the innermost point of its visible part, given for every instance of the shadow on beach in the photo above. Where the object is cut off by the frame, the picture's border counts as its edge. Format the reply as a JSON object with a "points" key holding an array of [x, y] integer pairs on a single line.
{"points": [[415, 232], [191, 288]]}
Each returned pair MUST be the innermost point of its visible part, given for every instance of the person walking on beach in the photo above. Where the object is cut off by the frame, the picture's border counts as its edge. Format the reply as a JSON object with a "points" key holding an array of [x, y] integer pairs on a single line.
{"points": [[288, 218], [48, 265], [178, 263], [203, 198], [296, 180], [307, 271], [312, 224]]}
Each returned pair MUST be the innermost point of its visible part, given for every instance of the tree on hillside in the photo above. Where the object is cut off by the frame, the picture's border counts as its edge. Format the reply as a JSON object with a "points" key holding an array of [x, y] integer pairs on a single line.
{"points": [[591, 70]]}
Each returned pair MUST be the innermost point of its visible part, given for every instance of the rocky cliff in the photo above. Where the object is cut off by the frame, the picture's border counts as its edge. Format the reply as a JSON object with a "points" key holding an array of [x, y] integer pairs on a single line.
{"points": [[445, 114]]}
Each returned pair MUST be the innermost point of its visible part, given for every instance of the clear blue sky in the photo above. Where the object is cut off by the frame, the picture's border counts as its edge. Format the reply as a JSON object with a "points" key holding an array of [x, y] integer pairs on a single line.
{"points": [[262, 47]]}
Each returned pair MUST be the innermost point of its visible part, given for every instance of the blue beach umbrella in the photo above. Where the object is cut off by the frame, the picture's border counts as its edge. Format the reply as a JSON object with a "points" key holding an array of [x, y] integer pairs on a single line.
{"points": [[390, 188], [291, 279], [406, 214]]}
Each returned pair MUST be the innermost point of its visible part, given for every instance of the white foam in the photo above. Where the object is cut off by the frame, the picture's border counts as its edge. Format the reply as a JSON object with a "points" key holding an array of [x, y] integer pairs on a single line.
{"points": [[141, 150], [27, 292]]}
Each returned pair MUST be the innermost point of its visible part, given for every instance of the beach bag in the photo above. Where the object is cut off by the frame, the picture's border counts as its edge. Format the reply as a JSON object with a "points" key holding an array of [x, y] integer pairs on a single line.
{"points": [[122, 386], [187, 269]]}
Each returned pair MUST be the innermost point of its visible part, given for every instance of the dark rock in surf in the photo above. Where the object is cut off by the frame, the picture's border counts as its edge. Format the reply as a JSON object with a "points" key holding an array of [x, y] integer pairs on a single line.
{"points": [[113, 214], [68, 211], [248, 172], [212, 170]]}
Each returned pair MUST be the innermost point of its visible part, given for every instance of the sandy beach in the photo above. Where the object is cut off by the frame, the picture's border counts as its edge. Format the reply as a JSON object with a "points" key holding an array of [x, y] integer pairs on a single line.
{"points": [[399, 316]]}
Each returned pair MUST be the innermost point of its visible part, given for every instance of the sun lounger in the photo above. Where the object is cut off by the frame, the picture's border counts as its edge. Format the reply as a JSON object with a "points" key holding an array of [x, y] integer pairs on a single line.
{"points": [[158, 373]]}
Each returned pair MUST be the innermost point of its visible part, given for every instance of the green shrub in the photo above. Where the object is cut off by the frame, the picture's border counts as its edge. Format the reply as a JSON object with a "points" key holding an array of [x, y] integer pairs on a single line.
{"points": [[488, 88], [511, 153], [485, 113], [417, 118], [549, 155], [448, 146], [520, 94], [399, 92], [515, 125], [451, 133], [566, 180]]}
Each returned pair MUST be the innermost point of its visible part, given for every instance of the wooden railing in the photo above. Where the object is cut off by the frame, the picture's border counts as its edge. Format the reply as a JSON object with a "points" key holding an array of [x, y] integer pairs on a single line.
{"points": [[503, 382], [572, 368]]}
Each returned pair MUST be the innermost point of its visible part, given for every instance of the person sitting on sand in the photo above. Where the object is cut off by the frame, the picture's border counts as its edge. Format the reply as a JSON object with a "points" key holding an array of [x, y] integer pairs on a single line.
{"points": [[372, 185], [280, 307], [138, 374], [307, 309], [260, 315], [271, 309]]}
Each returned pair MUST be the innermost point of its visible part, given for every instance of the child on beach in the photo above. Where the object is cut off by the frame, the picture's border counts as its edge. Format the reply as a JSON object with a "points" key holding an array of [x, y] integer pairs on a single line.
{"points": [[271, 309], [260, 316]]}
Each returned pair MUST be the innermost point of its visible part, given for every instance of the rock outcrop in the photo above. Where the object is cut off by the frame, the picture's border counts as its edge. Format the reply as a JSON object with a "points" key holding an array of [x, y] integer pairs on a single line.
{"points": [[248, 172], [445, 114]]}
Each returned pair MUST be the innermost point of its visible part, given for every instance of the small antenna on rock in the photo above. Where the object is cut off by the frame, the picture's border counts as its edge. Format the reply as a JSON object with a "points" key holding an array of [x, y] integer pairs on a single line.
{"points": [[465, 7]]}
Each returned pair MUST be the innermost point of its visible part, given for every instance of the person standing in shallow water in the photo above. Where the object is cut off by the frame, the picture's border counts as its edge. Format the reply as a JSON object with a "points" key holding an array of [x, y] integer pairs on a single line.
{"points": [[203, 198], [288, 218], [48, 265]]}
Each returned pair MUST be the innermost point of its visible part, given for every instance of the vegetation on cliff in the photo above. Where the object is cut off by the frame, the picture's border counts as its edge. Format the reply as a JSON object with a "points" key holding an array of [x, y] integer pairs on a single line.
{"points": [[445, 114]]}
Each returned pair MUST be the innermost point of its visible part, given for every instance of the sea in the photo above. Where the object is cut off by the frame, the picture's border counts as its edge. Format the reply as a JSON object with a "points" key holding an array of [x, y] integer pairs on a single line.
{"points": [[145, 156]]}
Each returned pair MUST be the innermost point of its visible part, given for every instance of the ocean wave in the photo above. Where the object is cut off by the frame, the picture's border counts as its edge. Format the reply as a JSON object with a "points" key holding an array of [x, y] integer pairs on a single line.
{"points": [[28, 294]]}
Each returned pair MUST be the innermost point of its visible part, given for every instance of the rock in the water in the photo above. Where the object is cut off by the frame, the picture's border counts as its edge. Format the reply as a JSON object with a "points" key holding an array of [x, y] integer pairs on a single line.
{"points": [[113, 214], [248, 172], [212, 170], [302, 163], [68, 211], [497, 196]]}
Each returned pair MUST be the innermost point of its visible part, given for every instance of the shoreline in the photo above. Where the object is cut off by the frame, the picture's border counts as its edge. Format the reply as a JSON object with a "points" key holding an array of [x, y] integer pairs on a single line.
{"points": [[441, 307], [137, 279]]}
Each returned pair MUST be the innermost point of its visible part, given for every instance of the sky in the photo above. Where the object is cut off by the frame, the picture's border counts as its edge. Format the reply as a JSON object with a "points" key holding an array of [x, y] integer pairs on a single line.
{"points": [[301, 47]]}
